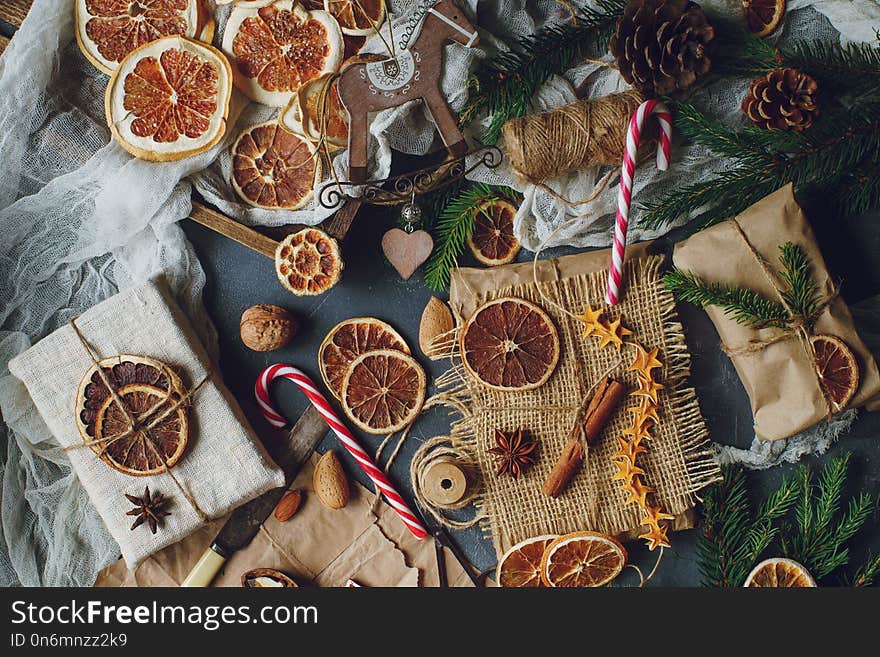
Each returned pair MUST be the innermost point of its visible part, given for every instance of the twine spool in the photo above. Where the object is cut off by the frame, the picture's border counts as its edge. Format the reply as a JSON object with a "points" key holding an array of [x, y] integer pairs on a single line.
{"points": [[444, 483], [584, 133]]}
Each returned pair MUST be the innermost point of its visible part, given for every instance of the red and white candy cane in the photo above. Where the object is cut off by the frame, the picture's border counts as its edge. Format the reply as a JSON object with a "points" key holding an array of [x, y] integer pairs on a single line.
{"points": [[307, 386], [624, 194]]}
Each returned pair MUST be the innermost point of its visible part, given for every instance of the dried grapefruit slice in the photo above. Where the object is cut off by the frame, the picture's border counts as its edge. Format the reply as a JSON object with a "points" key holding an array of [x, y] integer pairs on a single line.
{"points": [[383, 390], [316, 107], [348, 340], [108, 30], [147, 387], [492, 241], [276, 47], [837, 368], [357, 17], [780, 573], [169, 99], [582, 559], [520, 567], [510, 344], [274, 169], [763, 16], [308, 262]]}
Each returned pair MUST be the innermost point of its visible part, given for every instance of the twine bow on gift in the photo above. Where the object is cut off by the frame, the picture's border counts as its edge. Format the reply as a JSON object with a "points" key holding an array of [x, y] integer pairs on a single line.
{"points": [[146, 422], [797, 326]]}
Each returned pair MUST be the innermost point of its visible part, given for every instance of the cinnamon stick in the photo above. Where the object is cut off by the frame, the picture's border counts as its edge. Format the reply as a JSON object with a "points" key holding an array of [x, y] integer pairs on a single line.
{"points": [[591, 420]]}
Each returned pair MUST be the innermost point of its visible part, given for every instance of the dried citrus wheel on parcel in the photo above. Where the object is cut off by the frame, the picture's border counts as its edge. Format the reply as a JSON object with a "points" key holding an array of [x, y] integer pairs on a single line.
{"points": [[317, 108], [148, 389], [357, 17], [348, 340], [582, 559], [169, 99], [308, 262], [383, 390], [510, 344], [108, 30], [492, 241], [273, 168], [837, 369], [780, 573], [276, 47], [520, 567], [763, 16]]}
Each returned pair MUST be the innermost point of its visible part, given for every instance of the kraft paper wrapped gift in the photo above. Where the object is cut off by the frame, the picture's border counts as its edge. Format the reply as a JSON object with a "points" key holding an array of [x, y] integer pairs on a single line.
{"points": [[224, 464], [778, 374]]}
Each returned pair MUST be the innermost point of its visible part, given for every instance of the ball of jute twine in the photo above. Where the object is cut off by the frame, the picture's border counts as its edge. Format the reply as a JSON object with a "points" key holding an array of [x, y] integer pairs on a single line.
{"points": [[584, 133]]}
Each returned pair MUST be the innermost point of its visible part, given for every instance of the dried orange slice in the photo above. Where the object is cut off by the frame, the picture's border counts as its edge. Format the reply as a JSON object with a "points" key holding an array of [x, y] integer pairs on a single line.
{"points": [[763, 16], [308, 262], [169, 99], [147, 387], [780, 573], [837, 368], [492, 241], [357, 17], [348, 340], [316, 107], [520, 567], [582, 559], [510, 344], [276, 47], [383, 390], [273, 168], [108, 30]]}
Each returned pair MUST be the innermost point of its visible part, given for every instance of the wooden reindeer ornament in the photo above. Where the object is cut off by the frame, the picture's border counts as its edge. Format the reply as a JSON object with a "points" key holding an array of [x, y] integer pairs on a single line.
{"points": [[413, 73]]}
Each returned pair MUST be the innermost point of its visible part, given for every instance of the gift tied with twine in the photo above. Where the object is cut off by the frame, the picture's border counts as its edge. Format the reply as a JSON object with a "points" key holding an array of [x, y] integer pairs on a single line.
{"points": [[146, 422], [799, 328]]}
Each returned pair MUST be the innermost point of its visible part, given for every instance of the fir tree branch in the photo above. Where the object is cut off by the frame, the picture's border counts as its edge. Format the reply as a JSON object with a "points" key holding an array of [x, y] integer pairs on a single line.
{"points": [[802, 293], [744, 306], [868, 574], [504, 85]]}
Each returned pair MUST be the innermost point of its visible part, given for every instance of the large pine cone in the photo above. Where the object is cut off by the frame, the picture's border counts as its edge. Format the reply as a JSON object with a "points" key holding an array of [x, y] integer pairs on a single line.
{"points": [[784, 99], [662, 45]]}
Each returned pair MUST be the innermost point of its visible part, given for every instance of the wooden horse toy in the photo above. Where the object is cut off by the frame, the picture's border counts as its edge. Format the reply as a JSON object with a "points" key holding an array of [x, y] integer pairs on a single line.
{"points": [[413, 73]]}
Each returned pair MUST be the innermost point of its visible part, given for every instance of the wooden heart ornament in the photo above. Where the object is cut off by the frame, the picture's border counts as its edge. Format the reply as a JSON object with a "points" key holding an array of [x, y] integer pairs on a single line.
{"points": [[407, 251]]}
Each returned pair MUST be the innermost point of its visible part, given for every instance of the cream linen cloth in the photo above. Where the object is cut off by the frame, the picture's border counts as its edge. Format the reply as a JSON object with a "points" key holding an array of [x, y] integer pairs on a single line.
{"points": [[224, 464]]}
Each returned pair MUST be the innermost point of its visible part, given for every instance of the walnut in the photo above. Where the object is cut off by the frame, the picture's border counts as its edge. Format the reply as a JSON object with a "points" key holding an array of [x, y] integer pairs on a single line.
{"points": [[265, 327]]}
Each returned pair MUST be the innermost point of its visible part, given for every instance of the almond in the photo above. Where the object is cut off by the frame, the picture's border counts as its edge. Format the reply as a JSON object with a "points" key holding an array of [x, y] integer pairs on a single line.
{"points": [[436, 321], [330, 482], [288, 505]]}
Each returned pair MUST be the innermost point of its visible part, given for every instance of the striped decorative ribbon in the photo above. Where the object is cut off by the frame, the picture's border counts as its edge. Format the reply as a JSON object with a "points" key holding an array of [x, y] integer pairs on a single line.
{"points": [[624, 194], [307, 386]]}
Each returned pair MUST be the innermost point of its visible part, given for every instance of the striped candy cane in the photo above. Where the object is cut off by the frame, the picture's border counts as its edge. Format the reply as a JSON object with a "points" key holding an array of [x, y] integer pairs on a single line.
{"points": [[624, 194], [307, 386]]}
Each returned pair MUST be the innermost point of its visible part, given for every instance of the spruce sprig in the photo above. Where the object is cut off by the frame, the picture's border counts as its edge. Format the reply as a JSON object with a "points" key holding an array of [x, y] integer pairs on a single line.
{"points": [[504, 84], [734, 538], [453, 227], [751, 308]]}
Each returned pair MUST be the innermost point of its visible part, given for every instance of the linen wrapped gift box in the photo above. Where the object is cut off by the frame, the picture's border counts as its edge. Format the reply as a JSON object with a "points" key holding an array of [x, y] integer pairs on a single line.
{"points": [[224, 464]]}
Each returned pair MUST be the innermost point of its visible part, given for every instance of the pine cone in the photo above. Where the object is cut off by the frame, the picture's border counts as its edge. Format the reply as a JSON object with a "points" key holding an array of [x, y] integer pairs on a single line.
{"points": [[784, 99], [662, 45]]}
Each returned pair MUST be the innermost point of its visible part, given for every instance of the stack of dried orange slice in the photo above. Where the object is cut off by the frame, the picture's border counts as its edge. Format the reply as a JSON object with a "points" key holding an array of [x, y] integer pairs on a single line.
{"points": [[578, 560], [367, 366]]}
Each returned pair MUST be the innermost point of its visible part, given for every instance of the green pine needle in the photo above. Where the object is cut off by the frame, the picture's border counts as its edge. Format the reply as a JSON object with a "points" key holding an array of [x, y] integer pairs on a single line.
{"points": [[744, 306], [454, 225], [802, 293]]}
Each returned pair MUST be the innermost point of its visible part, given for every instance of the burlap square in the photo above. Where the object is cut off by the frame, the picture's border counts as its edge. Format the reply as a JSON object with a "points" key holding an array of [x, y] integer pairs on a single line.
{"points": [[679, 461]]}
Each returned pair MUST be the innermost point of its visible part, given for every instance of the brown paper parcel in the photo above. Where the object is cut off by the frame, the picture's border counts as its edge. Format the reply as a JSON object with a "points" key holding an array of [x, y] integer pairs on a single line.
{"points": [[779, 378], [365, 541], [679, 462]]}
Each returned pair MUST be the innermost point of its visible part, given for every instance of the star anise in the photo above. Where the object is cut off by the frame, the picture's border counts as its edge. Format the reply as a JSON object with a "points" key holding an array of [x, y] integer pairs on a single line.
{"points": [[513, 453], [148, 508]]}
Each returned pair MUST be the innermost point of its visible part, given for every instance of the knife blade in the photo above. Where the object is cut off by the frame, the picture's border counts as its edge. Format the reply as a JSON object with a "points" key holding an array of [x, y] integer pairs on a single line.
{"points": [[244, 523]]}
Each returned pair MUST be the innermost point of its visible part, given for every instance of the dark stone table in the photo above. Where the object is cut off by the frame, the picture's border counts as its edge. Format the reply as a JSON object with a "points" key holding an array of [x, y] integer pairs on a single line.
{"points": [[238, 278]]}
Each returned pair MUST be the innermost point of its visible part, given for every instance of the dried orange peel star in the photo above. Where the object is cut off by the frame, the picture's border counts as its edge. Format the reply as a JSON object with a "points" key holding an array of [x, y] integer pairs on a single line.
{"points": [[644, 419]]}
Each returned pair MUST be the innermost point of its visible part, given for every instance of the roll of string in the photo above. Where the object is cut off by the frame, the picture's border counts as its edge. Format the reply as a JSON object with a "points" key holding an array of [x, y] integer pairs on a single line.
{"points": [[585, 133]]}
